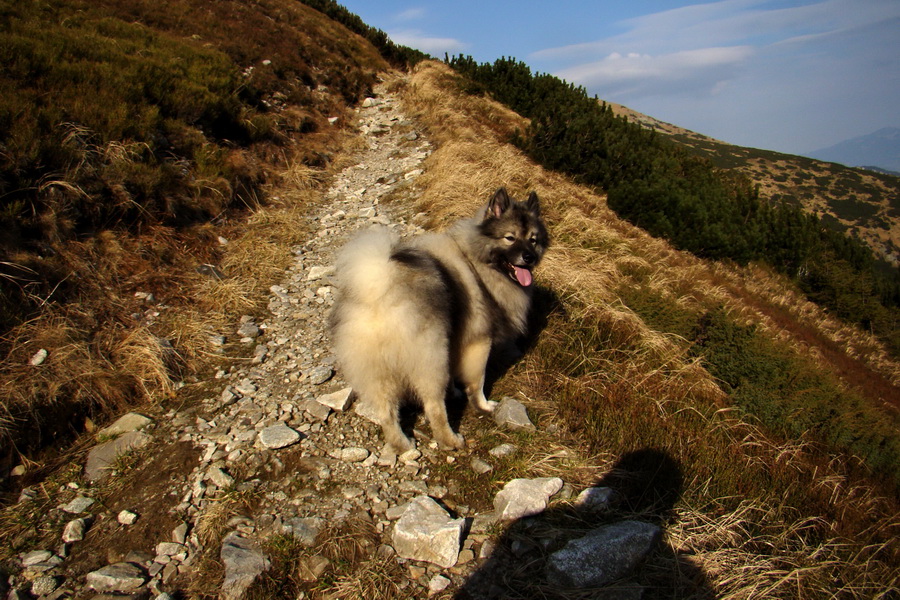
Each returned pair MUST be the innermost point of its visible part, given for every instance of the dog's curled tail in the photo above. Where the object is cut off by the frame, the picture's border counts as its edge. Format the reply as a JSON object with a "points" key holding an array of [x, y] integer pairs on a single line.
{"points": [[363, 265]]}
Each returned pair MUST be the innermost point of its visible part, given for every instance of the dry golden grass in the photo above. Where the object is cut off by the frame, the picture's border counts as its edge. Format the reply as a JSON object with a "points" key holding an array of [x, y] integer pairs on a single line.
{"points": [[618, 384]]}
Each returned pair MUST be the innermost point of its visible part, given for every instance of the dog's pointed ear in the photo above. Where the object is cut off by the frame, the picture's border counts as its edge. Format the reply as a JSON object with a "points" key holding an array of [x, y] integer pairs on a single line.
{"points": [[499, 204], [533, 204]]}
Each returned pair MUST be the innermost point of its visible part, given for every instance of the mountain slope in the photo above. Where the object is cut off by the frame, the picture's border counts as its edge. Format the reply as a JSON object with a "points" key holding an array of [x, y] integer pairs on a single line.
{"points": [[877, 149], [858, 201]]}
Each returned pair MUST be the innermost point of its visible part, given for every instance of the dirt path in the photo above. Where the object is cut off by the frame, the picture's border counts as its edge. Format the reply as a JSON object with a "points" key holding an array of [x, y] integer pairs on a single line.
{"points": [[274, 448]]}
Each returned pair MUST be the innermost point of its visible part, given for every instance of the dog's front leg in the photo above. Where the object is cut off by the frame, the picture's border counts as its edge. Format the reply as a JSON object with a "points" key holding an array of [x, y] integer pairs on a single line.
{"points": [[472, 371]]}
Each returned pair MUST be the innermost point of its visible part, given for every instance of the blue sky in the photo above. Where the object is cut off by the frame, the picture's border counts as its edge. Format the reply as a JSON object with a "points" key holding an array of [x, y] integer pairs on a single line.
{"points": [[786, 75]]}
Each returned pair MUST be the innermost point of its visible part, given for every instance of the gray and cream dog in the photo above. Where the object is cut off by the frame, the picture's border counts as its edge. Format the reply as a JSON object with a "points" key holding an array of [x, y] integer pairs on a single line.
{"points": [[414, 315]]}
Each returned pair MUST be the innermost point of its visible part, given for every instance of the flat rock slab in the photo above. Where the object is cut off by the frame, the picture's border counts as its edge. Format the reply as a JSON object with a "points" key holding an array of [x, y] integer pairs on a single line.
{"points": [[129, 422], [244, 561], [602, 556], [426, 532], [525, 497], [101, 458], [512, 414], [118, 577], [278, 436], [339, 400]]}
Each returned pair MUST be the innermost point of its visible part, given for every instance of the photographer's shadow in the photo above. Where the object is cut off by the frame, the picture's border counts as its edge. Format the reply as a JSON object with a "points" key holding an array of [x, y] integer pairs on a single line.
{"points": [[645, 485]]}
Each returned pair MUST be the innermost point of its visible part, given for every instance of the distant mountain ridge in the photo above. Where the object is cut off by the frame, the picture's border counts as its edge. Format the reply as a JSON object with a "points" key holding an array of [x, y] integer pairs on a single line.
{"points": [[878, 149]]}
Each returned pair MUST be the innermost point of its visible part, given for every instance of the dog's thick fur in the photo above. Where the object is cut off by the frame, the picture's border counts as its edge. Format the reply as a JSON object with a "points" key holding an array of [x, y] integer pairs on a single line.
{"points": [[413, 315]]}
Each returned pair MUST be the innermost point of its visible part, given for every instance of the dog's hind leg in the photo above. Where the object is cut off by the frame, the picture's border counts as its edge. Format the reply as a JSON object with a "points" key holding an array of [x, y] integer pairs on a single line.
{"points": [[384, 398], [432, 392], [472, 371]]}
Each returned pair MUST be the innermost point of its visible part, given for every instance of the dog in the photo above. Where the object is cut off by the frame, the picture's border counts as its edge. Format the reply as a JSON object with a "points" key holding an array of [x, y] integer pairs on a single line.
{"points": [[414, 315]]}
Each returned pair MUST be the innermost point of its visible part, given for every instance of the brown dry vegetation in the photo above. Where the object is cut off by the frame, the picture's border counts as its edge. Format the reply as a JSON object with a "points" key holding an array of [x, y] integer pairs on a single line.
{"points": [[72, 262], [759, 514]]}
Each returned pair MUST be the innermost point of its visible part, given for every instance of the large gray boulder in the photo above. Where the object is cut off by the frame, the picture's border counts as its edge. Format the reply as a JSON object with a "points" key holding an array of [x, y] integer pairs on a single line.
{"points": [[603, 555]]}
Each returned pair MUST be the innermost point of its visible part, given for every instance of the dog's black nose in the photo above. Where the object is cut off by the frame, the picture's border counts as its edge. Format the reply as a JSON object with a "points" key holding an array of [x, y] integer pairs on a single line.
{"points": [[528, 258]]}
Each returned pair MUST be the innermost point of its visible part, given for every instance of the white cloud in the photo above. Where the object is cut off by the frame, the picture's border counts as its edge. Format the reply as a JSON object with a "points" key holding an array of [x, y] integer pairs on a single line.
{"points": [[702, 70], [435, 46], [411, 14]]}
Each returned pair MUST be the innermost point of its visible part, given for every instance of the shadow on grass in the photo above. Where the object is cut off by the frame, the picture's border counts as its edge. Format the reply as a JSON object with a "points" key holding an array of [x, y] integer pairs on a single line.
{"points": [[646, 483]]}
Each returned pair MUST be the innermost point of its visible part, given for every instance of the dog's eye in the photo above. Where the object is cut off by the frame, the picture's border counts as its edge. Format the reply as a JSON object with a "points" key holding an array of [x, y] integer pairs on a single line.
{"points": [[509, 238]]}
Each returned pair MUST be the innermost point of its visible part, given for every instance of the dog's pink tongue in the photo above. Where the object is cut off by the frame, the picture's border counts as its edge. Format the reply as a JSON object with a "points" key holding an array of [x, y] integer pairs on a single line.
{"points": [[523, 276]]}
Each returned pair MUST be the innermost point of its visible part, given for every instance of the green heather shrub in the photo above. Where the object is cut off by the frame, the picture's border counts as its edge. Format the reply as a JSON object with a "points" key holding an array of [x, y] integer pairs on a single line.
{"points": [[661, 187]]}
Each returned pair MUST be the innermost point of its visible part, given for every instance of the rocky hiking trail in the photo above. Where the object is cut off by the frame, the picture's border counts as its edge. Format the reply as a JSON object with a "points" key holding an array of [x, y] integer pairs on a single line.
{"points": [[276, 446]]}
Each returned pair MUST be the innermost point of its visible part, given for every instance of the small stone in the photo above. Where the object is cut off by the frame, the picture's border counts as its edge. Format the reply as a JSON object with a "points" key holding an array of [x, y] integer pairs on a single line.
{"points": [[350, 455], [310, 569], [34, 557], [170, 548], [595, 498], [410, 456], [39, 357], [304, 529], [511, 413], [45, 584], [126, 517], [278, 436], [246, 387], [317, 410], [118, 577], [74, 530], [395, 512], [78, 504], [339, 400], [481, 467], [319, 375], [179, 534], [128, 422], [248, 330], [502, 450], [318, 272], [438, 584], [525, 497], [220, 477]]}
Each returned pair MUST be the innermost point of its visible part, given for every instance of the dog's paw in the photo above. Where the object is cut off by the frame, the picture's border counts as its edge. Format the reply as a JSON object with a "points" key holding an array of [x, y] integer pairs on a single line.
{"points": [[488, 406], [454, 441]]}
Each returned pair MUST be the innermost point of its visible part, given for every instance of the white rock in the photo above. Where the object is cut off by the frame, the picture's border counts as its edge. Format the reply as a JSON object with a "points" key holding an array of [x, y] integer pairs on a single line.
{"points": [[126, 517], [426, 532], [511, 413], [128, 422], [318, 272], [525, 497], [339, 400], [438, 584], [278, 436], [39, 357], [595, 498], [74, 530]]}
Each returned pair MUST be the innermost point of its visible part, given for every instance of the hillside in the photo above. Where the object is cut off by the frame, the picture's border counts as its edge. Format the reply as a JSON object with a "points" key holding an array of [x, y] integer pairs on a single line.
{"points": [[709, 402], [858, 201]]}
